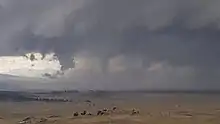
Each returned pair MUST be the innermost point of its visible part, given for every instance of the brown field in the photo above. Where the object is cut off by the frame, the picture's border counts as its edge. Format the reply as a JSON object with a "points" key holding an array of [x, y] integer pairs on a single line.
{"points": [[155, 109]]}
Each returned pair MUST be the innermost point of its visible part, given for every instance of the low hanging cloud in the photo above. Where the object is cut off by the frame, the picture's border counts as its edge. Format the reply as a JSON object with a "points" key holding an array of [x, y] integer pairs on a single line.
{"points": [[128, 43]]}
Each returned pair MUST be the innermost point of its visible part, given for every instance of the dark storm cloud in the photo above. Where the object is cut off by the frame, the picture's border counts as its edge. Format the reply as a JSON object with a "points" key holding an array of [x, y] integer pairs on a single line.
{"points": [[180, 33]]}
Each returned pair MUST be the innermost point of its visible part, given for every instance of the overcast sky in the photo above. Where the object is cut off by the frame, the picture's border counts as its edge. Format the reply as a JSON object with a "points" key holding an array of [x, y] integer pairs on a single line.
{"points": [[119, 44]]}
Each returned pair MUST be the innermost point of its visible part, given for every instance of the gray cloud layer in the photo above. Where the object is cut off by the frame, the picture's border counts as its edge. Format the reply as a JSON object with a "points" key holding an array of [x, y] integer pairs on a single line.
{"points": [[182, 34]]}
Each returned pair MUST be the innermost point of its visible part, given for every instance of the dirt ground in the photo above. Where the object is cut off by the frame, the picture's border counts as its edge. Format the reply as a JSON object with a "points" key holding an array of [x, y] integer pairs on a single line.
{"points": [[153, 110]]}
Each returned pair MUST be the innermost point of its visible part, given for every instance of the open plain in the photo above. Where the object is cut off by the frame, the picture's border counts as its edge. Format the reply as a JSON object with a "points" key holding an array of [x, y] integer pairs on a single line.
{"points": [[118, 108]]}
